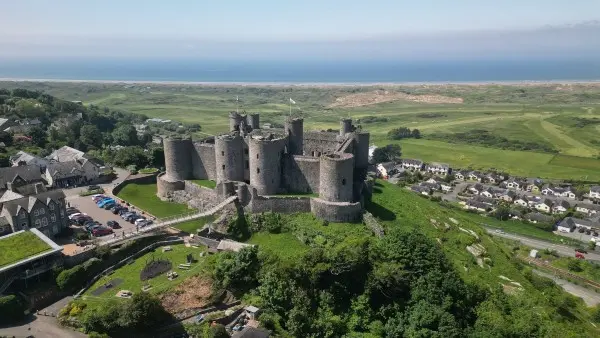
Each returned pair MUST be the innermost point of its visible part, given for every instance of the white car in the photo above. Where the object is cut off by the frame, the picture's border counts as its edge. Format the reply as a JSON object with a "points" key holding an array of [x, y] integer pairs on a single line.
{"points": [[77, 214], [140, 222], [595, 239]]}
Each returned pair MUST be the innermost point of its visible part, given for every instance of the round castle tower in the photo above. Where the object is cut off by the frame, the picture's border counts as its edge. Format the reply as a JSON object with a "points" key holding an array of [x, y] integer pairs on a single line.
{"points": [[345, 126], [229, 158], [361, 149], [265, 164], [253, 121], [234, 121], [336, 177], [178, 159], [294, 128]]}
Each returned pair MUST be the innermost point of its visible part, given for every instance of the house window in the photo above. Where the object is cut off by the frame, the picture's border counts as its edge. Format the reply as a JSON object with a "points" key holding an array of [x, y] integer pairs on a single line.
{"points": [[51, 206], [247, 164], [53, 218], [258, 170], [55, 229], [62, 213], [22, 215], [36, 213], [42, 211], [37, 223], [223, 166], [44, 221]]}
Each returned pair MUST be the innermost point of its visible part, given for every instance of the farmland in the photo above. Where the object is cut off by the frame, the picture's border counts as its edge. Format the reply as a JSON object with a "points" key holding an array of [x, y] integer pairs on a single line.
{"points": [[562, 121]]}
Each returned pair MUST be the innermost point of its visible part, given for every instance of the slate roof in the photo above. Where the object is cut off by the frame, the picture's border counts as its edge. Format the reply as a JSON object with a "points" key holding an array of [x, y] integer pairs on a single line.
{"points": [[412, 161], [589, 206], [565, 204], [65, 169], [476, 204], [22, 156], [438, 165], [536, 216], [570, 222], [483, 199], [9, 196], [27, 202], [595, 188], [29, 173], [65, 154]]}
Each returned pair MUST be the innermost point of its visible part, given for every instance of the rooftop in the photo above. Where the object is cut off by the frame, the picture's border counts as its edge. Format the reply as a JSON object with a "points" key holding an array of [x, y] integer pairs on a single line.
{"points": [[23, 246]]}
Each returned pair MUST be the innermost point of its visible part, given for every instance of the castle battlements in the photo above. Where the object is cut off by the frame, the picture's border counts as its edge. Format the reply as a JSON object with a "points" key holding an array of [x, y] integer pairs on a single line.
{"points": [[257, 163]]}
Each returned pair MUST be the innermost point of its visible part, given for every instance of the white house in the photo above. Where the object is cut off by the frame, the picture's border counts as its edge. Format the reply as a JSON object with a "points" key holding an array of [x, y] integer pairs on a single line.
{"points": [[412, 164], [545, 206], [521, 201], [515, 183], [487, 193], [461, 175], [475, 176], [438, 168], [595, 191], [477, 206], [590, 209], [560, 207], [476, 189], [507, 195], [536, 217], [385, 169]]}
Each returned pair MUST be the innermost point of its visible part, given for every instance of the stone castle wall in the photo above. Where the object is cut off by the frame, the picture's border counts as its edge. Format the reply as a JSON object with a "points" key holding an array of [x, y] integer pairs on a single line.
{"points": [[203, 161], [301, 174], [266, 164], [229, 158], [318, 143], [336, 211], [336, 177], [165, 186], [178, 162]]}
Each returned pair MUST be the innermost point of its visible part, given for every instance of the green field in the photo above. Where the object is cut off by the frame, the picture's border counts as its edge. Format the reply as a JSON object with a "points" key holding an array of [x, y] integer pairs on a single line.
{"points": [[18, 247], [561, 117], [130, 273], [144, 197], [206, 183]]}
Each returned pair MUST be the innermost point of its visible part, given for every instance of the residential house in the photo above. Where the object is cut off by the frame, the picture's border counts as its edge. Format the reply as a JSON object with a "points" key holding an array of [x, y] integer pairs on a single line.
{"points": [[489, 193], [71, 173], [508, 195], [15, 178], [441, 169], [566, 225], [516, 183], [533, 200], [477, 206], [568, 192], [66, 154], [548, 190], [560, 207], [545, 206], [461, 175], [485, 200], [433, 186], [476, 188], [595, 192], [23, 158], [572, 223], [536, 217], [385, 169], [534, 185], [6, 123], [515, 214], [45, 212], [589, 209], [521, 201], [492, 178], [421, 189], [443, 185], [475, 176], [412, 164]]}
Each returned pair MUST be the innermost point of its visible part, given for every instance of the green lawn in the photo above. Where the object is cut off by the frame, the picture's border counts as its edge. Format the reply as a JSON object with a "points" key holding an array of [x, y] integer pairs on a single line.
{"points": [[148, 170], [192, 226], [18, 247], [206, 183], [130, 273], [285, 245], [144, 196]]}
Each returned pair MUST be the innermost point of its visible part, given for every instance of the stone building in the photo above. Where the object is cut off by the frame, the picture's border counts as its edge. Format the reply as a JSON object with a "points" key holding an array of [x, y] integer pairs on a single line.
{"points": [[45, 211], [257, 163]]}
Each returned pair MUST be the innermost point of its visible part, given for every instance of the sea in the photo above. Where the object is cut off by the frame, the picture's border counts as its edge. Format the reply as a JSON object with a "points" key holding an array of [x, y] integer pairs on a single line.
{"points": [[313, 71]]}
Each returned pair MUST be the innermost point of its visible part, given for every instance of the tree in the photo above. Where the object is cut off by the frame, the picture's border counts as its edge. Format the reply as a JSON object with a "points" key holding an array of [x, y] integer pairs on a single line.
{"points": [[502, 213], [130, 156], [91, 136], [11, 309], [416, 133], [238, 271], [217, 331], [390, 152], [399, 133], [574, 265], [7, 138], [125, 135], [38, 136]]}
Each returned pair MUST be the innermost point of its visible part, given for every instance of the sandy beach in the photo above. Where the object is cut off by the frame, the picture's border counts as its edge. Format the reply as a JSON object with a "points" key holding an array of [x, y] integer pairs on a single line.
{"points": [[308, 84]]}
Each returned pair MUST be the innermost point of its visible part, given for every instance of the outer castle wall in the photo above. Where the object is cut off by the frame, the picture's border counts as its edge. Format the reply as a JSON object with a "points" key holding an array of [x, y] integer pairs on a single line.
{"points": [[277, 204], [203, 161], [336, 177], [301, 174], [178, 161], [164, 186], [336, 211], [265, 164]]}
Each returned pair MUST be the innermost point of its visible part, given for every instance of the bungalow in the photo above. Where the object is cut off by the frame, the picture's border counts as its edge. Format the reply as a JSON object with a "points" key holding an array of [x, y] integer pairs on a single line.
{"points": [[508, 196], [567, 192], [595, 191], [438, 168], [461, 175], [412, 164], [385, 169], [478, 206], [476, 189], [485, 200], [433, 186], [445, 186], [521, 201], [534, 185], [560, 207], [23, 158], [515, 214], [536, 217], [516, 183], [548, 190], [487, 193], [492, 178], [590, 209], [533, 200], [544, 206], [475, 176], [566, 225], [572, 223], [424, 190]]}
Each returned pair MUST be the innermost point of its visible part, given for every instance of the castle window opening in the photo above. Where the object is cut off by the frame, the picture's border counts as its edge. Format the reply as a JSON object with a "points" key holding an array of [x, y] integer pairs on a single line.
{"points": [[247, 164], [222, 153], [256, 155], [246, 151], [343, 181], [223, 167], [258, 170]]}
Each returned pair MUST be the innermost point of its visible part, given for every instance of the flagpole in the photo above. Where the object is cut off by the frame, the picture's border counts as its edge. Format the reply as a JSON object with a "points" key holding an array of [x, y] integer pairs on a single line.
{"points": [[290, 107]]}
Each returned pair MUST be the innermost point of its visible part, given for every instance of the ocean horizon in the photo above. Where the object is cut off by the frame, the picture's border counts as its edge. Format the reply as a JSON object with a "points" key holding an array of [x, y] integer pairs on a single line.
{"points": [[299, 72]]}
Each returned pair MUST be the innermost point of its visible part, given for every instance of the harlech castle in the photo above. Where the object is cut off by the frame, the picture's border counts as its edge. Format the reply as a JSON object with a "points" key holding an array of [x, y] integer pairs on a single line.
{"points": [[278, 170]]}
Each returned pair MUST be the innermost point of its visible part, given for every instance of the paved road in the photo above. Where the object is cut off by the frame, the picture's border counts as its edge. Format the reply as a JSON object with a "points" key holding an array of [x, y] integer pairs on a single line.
{"points": [[591, 298], [43, 326], [562, 250]]}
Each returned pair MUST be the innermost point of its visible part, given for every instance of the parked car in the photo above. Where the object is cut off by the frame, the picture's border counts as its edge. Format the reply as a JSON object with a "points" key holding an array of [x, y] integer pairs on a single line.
{"points": [[101, 231], [113, 224], [75, 215], [581, 251], [82, 220], [126, 214], [141, 222], [104, 202], [108, 205], [98, 197], [581, 230], [123, 210]]}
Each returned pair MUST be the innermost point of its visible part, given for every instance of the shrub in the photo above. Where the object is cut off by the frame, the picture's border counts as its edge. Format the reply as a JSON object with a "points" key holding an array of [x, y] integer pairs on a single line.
{"points": [[11, 309], [574, 265]]}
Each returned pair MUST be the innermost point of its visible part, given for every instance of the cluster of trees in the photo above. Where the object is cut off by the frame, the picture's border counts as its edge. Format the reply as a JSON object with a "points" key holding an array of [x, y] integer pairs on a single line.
{"points": [[403, 132], [11, 309], [487, 139], [401, 285], [388, 153], [581, 122]]}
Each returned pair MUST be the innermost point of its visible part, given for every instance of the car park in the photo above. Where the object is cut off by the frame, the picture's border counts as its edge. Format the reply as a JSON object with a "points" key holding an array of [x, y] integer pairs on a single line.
{"points": [[101, 231], [108, 205], [97, 198]]}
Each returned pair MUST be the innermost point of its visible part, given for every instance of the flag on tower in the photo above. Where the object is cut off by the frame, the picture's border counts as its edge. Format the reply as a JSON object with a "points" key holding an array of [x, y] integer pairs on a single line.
{"points": [[292, 101]]}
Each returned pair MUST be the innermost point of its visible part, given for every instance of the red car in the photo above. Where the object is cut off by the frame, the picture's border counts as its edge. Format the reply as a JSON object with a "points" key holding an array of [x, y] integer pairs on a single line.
{"points": [[101, 232], [579, 255]]}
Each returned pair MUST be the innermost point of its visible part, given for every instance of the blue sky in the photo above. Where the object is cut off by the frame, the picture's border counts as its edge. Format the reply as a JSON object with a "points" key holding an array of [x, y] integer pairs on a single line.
{"points": [[131, 27]]}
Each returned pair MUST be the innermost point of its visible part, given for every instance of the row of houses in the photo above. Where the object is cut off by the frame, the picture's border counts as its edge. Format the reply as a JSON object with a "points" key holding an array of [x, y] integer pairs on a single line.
{"points": [[18, 126]]}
